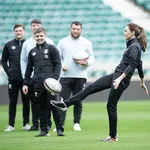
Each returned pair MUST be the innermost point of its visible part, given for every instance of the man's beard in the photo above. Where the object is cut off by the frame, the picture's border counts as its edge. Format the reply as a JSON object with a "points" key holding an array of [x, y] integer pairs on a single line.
{"points": [[75, 37]]}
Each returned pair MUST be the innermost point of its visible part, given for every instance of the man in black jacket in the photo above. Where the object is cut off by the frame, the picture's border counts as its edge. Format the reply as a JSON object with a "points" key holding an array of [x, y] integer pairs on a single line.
{"points": [[11, 65], [44, 59], [27, 46]]}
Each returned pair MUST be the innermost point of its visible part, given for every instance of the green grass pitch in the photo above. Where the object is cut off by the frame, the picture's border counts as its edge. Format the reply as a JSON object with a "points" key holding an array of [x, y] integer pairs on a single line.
{"points": [[133, 130]]}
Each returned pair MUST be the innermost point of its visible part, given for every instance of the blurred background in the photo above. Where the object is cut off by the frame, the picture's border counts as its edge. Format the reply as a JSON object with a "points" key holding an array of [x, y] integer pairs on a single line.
{"points": [[103, 23]]}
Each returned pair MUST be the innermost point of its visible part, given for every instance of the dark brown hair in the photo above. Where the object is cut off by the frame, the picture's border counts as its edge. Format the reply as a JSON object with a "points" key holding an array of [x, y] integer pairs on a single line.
{"points": [[36, 21], [139, 34], [18, 25], [76, 23], [39, 30]]}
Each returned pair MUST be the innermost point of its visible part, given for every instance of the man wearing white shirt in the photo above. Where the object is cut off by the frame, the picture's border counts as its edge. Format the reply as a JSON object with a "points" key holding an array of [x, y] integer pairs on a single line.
{"points": [[27, 46], [74, 74]]}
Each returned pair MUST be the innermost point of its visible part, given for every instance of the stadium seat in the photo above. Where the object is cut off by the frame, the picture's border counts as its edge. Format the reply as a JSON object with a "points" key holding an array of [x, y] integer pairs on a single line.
{"points": [[144, 3], [103, 26]]}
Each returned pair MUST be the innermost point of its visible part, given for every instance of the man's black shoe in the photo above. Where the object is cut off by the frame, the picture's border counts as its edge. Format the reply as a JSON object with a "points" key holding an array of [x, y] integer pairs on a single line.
{"points": [[60, 133], [43, 133], [33, 128], [59, 104]]}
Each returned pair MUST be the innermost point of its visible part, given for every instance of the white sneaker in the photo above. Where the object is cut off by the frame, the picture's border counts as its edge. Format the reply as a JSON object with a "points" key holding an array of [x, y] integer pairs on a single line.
{"points": [[54, 130], [26, 127], [47, 134], [76, 127], [9, 128], [110, 139]]}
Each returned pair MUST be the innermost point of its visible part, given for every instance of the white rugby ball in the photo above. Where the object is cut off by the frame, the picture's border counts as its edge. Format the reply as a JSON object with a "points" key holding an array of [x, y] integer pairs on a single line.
{"points": [[52, 85], [80, 56]]}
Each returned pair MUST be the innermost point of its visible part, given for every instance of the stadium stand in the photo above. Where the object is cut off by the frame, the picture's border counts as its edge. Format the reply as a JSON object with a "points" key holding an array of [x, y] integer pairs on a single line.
{"points": [[144, 3], [103, 26]]}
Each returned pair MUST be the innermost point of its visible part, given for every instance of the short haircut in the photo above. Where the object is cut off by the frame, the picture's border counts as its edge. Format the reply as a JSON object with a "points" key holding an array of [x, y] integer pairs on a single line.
{"points": [[18, 25], [39, 30], [36, 21], [76, 23]]}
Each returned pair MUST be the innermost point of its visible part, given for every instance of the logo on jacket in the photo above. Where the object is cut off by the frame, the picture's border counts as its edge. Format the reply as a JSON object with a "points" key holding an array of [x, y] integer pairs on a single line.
{"points": [[34, 53], [46, 56], [45, 51], [10, 86], [13, 47], [36, 94]]}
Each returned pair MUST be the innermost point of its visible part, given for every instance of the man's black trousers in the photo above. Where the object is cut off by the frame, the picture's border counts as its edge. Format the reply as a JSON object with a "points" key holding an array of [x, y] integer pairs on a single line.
{"points": [[72, 86], [13, 91], [43, 99], [35, 106]]}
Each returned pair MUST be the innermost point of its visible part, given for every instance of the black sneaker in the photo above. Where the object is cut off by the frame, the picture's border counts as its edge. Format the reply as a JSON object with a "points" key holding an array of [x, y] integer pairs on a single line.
{"points": [[33, 128], [109, 138], [59, 104], [60, 133], [43, 133]]}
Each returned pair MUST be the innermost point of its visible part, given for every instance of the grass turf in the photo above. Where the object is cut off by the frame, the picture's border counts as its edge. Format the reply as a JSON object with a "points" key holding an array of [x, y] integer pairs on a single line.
{"points": [[133, 130]]}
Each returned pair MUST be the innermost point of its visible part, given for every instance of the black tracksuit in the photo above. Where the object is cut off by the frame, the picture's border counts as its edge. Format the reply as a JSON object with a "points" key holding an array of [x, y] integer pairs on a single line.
{"points": [[130, 61], [46, 62], [11, 65]]}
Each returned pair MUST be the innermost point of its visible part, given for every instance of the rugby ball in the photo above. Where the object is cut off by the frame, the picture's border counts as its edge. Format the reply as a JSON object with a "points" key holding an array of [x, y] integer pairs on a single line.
{"points": [[52, 85], [80, 56]]}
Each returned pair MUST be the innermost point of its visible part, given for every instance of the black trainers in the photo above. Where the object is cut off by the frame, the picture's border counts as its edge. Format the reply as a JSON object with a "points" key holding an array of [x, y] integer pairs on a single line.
{"points": [[59, 104], [33, 128], [109, 138], [43, 133], [60, 133]]}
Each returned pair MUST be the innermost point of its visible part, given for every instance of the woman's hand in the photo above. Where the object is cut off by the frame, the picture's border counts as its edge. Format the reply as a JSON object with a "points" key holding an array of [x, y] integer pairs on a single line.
{"points": [[118, 80], [116, 83], [145, 88]]}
